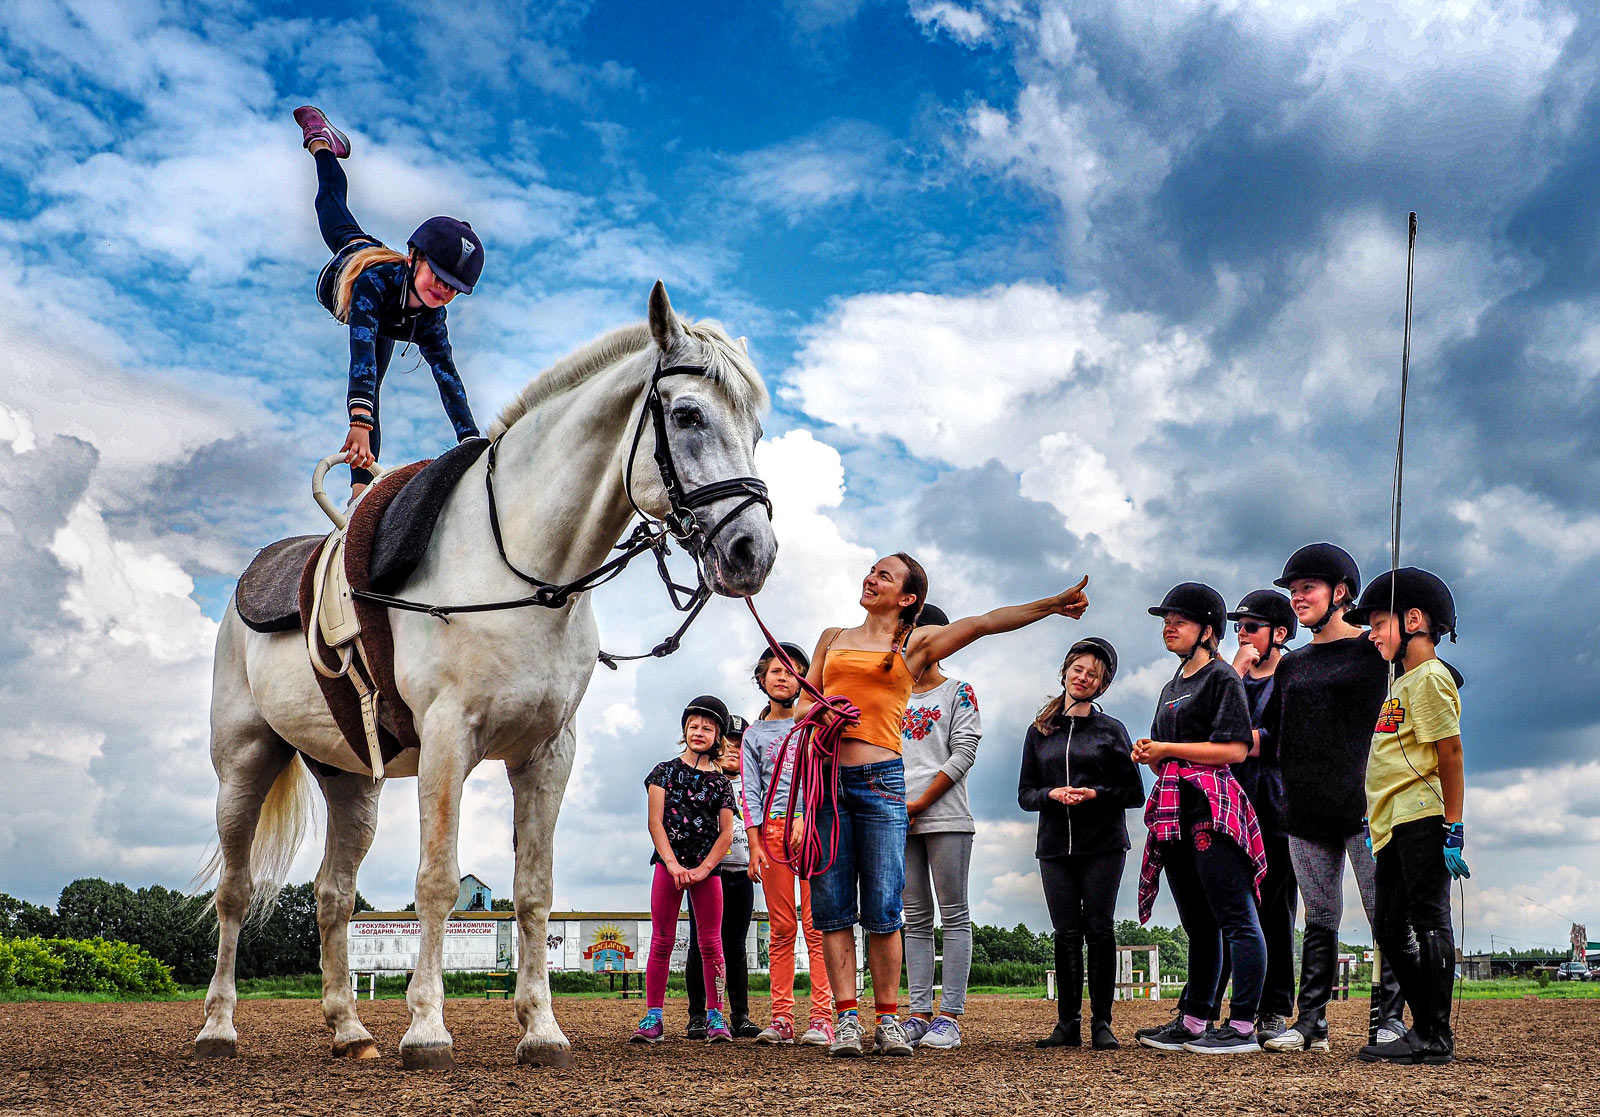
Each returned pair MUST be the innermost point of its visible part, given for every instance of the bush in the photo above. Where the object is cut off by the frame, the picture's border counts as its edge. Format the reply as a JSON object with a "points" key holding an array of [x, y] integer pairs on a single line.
{"points": [[1544, 979], [84, 966]]}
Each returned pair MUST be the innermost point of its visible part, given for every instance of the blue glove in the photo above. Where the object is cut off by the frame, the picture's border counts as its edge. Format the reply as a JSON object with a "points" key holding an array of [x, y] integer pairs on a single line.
{"points": [[1366, 834], [1455, 839]]}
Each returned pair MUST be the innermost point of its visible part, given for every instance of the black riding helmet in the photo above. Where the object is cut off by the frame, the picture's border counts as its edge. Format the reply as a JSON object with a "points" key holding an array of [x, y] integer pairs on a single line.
{"points": [[931, 614], [797, 656], [1270, 606], [453, 251], [1408, 588], [1197, 601], [710, 706], [1326, 563], [1101, 649]]}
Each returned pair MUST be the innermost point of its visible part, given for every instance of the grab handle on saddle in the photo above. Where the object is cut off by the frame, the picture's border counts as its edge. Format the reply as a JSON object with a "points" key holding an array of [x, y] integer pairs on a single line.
{"points": [[324, 501]]}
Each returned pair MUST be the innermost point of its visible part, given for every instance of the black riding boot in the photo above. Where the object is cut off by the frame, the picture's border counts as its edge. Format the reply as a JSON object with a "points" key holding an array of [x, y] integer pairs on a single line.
{"points": [[1069, 993], [1436, 974], [1102, 966], [1319, 960], [1391, 998]]}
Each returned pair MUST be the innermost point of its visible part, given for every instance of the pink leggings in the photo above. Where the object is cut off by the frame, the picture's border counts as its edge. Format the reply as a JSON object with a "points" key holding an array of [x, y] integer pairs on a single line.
{"points": [[666, 901]]}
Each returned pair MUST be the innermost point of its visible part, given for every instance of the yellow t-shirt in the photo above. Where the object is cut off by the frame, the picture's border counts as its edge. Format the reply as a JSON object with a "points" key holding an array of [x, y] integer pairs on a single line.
{"points": [[1423, 707]]}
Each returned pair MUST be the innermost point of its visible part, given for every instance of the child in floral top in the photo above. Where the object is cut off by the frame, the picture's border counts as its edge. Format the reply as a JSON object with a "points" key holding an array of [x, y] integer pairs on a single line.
{"points": [[691, 825]]}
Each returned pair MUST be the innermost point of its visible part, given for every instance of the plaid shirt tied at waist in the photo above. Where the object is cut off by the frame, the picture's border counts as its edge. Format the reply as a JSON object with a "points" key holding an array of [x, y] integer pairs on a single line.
{"points": [[1231, 815]]}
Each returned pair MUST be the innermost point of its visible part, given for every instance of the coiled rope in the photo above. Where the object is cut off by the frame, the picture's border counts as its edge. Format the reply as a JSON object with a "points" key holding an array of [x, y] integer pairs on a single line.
{"points": [[809, 753]]}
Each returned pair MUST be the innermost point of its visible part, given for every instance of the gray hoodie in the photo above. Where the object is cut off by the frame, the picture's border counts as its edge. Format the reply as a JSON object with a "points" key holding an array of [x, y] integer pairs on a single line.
{"points": [[759, 747], [940, 734]]}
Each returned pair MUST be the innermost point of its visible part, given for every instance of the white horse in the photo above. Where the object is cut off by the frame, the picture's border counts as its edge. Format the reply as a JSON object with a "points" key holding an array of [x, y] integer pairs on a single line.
{"points": [[485, 686]]}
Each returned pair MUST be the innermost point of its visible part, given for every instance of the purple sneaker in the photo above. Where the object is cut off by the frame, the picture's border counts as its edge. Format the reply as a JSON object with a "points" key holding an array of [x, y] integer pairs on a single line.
{"points": [[650, 1029], [717, 1030], [944, 1034], [314, 126]]}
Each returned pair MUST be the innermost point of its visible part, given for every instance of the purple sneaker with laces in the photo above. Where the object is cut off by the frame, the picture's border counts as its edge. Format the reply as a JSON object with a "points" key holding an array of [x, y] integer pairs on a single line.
{"points": [[314, 126], [650, 1029], [717, 1030], [944, 1034]]}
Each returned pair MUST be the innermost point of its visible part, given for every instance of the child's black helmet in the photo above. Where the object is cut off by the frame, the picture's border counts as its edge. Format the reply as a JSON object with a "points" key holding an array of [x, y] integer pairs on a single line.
{"points": [[1270, 606], [1101, 649], [1325, 562], [931, 614], [453, 250], [1197, 601], [797, 655], [1408, 588], [710, 706]]}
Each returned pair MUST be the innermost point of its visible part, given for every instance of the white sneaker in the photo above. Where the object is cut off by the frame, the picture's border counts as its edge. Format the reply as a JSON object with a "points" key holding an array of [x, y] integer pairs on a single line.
{"points": [[847, 1037], [818, 1034], [1390, 1031], [890, 1038]]}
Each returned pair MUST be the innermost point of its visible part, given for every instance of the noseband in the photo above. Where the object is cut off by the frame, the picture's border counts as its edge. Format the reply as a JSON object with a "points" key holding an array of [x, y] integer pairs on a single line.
{"points": [[649, 534]]}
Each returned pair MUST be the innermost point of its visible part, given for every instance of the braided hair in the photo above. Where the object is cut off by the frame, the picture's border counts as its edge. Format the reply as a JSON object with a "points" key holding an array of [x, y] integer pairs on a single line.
{"points": [[916, 584]]}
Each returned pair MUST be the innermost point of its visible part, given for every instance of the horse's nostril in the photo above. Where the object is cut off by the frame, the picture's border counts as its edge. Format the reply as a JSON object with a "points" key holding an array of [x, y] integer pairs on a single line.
{"points": [[742, 553]]}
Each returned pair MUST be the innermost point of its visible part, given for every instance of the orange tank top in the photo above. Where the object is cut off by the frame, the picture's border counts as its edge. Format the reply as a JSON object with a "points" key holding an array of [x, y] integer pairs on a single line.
{"points": [[880, 695]]}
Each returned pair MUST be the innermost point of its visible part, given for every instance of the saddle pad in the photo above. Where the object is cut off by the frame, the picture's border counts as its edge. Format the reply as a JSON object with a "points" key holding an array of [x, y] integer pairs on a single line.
{"points": [[396, 731], [268, 594], [406, 527]]}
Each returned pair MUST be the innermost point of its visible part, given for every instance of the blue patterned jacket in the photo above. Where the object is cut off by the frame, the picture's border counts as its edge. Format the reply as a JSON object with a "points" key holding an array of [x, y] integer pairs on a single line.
{"points": [[378, 311]]}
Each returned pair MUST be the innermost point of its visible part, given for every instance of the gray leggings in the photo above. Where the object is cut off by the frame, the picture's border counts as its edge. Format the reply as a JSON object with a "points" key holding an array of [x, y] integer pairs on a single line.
{"points": [[1319, 870], [938, 863]]}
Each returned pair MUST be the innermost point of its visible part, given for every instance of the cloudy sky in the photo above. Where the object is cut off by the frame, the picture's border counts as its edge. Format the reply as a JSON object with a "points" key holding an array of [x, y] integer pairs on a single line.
{"points": [[1040, 289]]}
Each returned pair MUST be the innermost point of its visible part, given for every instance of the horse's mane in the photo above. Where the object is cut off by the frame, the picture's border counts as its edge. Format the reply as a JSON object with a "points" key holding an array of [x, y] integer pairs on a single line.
{"points": [[725, 361]]}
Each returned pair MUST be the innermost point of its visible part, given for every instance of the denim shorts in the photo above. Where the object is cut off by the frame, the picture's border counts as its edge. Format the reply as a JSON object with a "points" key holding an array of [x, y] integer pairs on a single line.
{"points": [[871, 857]]}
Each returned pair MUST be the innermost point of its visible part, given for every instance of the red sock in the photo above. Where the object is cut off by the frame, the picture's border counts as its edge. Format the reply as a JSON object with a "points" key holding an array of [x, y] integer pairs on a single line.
{"points": [[841, 1007], [890, 1009]]}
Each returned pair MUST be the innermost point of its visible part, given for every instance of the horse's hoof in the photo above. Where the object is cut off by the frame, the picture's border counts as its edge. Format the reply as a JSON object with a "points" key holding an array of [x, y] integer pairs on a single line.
{"points": [[437, 1056], [215, 1048], [356, 1049], [542, 1053]]}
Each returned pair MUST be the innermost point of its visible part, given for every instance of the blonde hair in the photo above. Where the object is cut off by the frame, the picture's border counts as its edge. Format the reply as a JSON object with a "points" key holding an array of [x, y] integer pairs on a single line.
{"points": [[1045, 720], [349, 271]]}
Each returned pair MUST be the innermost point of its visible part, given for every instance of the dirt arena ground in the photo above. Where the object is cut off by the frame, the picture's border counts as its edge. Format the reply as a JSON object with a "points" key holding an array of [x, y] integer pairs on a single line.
{"points": [[1517, 1057]]}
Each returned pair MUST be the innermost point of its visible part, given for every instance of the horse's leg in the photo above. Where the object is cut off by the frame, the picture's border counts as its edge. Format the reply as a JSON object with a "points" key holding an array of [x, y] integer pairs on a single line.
{"points": [[441, 770], [352, 821], [537, 788], [247, 769]]}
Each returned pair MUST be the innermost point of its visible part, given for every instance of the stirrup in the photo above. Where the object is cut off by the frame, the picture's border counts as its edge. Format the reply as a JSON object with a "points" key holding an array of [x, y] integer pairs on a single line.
{"points": [[324, 501]]}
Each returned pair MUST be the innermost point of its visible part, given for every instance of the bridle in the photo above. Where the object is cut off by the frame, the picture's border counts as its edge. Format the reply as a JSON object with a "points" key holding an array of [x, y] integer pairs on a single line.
{"points": [[649, 534]]}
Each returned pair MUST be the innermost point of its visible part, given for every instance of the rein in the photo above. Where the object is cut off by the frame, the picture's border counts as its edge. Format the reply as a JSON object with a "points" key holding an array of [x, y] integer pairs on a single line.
{"points": [[811, 752], [649, 534]]}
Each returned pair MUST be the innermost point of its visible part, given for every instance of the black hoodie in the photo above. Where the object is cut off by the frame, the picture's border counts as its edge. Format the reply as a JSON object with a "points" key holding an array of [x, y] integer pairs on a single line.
{"points": [[1098, 758]]}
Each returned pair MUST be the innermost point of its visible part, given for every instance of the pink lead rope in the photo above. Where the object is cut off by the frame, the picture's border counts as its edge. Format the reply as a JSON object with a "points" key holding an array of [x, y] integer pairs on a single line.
{"points": [[811, 752]]}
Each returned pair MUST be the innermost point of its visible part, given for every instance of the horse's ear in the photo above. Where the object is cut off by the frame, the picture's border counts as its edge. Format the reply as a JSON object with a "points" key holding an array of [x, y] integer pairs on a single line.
{"points": [[664, 324]]}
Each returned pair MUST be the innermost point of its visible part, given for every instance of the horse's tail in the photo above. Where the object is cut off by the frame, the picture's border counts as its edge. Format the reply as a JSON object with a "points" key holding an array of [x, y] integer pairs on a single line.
{"points": [[286, 817]]}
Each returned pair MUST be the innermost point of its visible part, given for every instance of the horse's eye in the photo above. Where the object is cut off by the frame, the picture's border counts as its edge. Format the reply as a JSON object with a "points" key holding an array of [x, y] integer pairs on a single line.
{"points": [[688, 415]]}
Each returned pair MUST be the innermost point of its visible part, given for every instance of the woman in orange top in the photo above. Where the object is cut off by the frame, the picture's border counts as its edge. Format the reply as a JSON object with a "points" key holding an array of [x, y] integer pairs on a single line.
{"points": [[874, 665]]}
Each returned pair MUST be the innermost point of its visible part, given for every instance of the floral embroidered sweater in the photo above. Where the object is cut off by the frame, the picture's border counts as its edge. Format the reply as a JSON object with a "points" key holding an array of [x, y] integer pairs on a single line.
{"points": [[940, 733]]}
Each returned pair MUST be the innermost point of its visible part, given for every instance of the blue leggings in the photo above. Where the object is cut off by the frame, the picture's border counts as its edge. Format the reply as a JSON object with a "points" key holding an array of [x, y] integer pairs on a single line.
{"points": [[339, 228]]}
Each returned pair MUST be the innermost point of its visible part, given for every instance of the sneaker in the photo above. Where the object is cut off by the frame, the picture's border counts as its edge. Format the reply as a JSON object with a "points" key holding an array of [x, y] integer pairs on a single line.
{"points": [[1389, 1031], [717, 1030], [1226, 1040], [745, 1028], [649, 1029], [1302, 1036], [1171, 1037], [1141, 1033], [847, 1038], [1404, 1051], [779, 1031], [314, 126], [818, 1034], [915, 1027], [1271, 1026], [890, 1038], [944, 1035], [697, 1026]]}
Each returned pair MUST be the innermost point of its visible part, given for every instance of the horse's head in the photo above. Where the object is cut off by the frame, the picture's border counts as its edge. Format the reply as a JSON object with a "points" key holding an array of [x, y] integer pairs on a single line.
{"points": [[711, 422]]}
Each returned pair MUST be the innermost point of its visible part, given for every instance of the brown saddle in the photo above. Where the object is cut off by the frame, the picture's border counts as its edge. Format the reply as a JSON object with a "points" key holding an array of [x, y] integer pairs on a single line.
{"points": [[396, 729]]}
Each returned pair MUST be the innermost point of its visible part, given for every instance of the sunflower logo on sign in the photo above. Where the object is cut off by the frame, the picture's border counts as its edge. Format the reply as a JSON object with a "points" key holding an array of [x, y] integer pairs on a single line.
{"points": [[609, 950]]}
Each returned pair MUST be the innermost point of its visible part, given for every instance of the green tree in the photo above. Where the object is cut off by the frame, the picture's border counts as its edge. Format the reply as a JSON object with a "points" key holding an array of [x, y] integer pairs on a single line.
{"points": [[20, 919], [90, 907], [503, 904], [1173, 941]]}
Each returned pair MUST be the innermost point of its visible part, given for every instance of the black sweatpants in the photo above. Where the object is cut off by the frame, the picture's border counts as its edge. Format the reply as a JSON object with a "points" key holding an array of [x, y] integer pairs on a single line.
{"points": [[738, 903], [1413, 887], [1081, 892]]}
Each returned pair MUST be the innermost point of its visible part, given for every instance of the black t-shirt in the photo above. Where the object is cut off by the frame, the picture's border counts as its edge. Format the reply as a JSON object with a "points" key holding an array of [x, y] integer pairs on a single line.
{"points": [[1208, 706], [1259, 775], [1319, 722], [692, 813]]}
